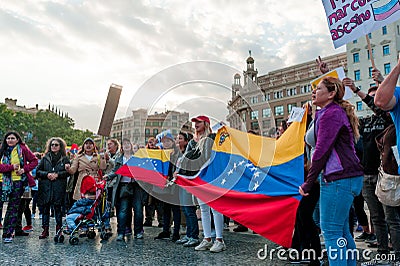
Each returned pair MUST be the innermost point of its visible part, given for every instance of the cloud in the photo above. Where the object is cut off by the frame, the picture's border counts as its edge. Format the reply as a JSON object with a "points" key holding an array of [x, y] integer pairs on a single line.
{"points": [[68, 52]]}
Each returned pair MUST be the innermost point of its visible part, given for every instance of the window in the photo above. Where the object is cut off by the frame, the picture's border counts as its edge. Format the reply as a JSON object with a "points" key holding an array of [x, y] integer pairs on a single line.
{"points": [[279, 110], [174, 117], [356, 57], [174, 132], [254, 125], [278, 94], [384, 30], [266, 112], [147, 131], [386, 68], [290, 106], [368, 55], [266, 97], [359, 106], [291, 92], [386, 50], [148, 123], [306, 88], [155, 131], [370, 72], [266, 124], [254, 115], [254, 99], [357, 75], [174, 124]]}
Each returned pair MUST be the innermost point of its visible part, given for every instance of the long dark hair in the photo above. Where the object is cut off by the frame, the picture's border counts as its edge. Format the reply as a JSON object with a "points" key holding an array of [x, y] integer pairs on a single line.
{"points": [[4, 145], [60, 141], [186, 136]]}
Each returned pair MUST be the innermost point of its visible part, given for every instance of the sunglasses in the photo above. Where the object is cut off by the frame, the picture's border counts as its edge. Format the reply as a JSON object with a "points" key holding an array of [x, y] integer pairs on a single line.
{"points": [[55, 144]]}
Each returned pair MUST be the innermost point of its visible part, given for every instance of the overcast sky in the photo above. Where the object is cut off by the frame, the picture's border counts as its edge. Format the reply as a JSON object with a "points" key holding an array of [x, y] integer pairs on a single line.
{"points": [[68, 53]]}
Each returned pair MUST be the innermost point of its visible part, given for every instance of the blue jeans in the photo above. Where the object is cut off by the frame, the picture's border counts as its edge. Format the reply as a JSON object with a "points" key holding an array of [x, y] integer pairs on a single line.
{"points": [[124, 207], [189, 210], [70, 219], [335, 202]]}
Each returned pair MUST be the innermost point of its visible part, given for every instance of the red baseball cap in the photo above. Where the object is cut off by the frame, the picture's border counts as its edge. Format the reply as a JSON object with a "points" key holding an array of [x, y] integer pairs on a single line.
{"points": [[201, 118]]}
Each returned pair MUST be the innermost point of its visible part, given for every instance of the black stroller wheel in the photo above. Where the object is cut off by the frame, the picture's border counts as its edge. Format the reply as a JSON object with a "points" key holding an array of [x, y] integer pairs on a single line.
{"points": [[104, 236], [74, 240], [60, 239], [91, 234], [55, 239]]}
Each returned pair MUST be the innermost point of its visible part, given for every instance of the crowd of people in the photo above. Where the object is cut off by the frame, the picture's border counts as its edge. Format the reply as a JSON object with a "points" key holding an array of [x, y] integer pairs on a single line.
{"points": [[347, 162], [56, 187]]}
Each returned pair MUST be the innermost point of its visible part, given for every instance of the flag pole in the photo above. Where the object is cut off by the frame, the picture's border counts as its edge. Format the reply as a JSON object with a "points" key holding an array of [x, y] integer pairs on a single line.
{"points": [[371, 55]]}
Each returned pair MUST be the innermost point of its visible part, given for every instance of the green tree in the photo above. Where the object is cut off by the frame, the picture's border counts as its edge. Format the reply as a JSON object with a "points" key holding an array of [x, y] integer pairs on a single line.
{"points": [[37, 129]]}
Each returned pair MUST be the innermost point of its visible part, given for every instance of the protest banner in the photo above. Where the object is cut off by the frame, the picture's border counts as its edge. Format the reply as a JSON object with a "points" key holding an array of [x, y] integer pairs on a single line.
{"points": [[336, 73], [348, 20]]}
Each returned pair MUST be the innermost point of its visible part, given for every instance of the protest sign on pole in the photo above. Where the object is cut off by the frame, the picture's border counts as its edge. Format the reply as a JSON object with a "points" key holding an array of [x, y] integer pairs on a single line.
{"points": [[109, 111], [348, 20]]}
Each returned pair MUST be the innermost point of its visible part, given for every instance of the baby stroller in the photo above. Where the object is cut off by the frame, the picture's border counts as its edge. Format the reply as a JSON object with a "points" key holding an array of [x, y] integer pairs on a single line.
{"points": [[86, 224]]}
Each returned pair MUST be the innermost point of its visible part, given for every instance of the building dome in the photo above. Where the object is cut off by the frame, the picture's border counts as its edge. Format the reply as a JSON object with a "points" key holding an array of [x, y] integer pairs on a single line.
{"points": [[250, 60], [236, 76]]}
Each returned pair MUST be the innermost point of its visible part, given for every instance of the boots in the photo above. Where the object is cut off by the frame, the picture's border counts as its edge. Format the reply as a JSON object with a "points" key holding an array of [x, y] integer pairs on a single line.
{"points": [[45, 233]]}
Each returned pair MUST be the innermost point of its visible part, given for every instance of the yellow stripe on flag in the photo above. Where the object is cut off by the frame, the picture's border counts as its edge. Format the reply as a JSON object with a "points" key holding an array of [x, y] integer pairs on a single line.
{"points": [[263, 151]]}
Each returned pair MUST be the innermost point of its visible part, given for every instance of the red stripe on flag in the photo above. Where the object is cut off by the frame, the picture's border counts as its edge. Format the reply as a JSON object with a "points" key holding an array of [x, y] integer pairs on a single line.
{"points": [[271, 217], [148, 176]]}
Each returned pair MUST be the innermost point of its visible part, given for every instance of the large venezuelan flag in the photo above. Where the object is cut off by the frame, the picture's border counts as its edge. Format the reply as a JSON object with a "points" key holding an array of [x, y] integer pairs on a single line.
{"points": [[255, 180], [251, 179]]}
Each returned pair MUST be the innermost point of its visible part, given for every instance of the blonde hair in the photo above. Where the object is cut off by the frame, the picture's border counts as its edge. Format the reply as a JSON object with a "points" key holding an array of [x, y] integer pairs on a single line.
{"points": [[334, 84], [202, 138]]}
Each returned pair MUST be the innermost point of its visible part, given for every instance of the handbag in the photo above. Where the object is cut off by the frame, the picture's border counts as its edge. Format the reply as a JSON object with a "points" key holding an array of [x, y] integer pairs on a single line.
{"points": [[385, 140], [388, 188]]}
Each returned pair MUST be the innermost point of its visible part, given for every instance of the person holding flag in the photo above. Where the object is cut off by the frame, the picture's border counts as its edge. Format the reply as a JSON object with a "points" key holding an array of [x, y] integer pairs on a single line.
{"points": [[335, 131], [197, 154]]}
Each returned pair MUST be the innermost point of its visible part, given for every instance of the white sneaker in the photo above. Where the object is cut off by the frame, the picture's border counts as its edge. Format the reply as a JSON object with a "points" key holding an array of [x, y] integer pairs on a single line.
{"points": [[204, 245], [218, 246]]}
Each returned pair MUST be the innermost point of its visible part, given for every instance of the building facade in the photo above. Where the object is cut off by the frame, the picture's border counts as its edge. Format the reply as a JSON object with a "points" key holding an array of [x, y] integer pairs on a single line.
{"points": [[385, 44], [263, 102], [141, 126], [11, 104]]}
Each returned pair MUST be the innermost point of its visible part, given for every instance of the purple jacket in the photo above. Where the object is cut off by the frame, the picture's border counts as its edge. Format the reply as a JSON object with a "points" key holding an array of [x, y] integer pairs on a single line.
{"points": [[334, 151]]}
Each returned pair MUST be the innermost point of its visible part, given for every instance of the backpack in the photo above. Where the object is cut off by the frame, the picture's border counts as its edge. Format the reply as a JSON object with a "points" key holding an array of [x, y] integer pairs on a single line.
{"points": [[385, 140]]}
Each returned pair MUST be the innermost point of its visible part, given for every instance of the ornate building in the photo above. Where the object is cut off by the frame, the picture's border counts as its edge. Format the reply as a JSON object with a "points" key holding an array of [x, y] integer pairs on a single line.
{"points": [[264, 101], [141, 126]]}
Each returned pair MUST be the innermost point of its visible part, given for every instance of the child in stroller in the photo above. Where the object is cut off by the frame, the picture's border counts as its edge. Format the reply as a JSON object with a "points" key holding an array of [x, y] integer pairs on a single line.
{"points": [[86, 213]]}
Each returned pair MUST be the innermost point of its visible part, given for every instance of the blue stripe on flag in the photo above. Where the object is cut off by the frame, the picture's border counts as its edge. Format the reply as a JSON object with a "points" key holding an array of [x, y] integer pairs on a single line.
{"points": [[385, 8]]}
